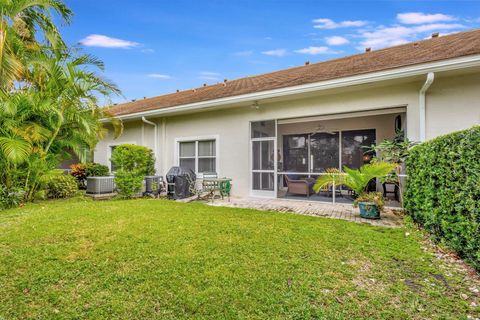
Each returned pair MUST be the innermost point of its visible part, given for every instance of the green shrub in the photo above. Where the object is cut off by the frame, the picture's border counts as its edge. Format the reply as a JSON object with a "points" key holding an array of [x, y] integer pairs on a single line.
{"points": [[443, 190], [131, 157], [128, 183], [10, 198], [60, 186], [133, 163], [93, 169]]}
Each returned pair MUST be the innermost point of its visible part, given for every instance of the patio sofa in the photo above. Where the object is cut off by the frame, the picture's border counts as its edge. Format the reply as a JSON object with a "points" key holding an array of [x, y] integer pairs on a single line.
{"points": [[297, 185]]}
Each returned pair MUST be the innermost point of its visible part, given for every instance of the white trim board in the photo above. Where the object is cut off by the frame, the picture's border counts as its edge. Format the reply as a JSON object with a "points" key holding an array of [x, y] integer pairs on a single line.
{"points": [[397, 73], [345, 115]]}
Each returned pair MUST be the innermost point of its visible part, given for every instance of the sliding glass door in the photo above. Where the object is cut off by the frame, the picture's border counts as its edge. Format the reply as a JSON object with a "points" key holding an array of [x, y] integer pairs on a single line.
{"points": [[295, 153], [324, 151], [317, 152], [355, 145]]}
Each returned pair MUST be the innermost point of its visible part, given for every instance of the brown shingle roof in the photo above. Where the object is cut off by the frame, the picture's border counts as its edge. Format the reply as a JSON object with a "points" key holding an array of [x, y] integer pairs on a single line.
{"points": [[434, 49]]}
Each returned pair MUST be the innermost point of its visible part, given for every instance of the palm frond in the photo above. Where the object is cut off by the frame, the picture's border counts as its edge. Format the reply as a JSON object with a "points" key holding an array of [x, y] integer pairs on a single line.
{"points": [[14, 148], [355, 179]]}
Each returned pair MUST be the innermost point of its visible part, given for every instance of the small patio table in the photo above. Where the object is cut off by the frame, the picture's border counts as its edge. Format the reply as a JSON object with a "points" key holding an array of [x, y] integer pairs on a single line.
{"points": [[220, 185]]}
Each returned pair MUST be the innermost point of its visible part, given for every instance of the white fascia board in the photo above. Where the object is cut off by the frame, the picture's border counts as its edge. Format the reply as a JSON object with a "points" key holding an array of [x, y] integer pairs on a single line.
{"points": [[419, 69]]}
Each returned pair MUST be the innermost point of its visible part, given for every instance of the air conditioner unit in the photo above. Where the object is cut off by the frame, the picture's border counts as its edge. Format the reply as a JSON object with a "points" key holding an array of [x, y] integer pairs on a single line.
{"points": [[100, 185]]}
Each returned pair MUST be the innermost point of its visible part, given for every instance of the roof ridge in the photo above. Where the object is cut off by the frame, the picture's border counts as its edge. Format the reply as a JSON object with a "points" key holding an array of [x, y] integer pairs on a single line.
{"points": [[429, 50], [357, 54]]}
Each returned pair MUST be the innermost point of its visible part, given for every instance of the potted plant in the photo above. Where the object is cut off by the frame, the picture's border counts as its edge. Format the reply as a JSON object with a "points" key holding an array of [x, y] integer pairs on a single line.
{"points": [[393, 151], [370, 203]]}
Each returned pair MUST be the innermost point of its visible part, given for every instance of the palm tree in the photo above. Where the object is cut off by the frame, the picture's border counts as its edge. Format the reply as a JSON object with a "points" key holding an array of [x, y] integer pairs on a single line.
{"points": [[58, 112], [20, 21], [355, 179]]}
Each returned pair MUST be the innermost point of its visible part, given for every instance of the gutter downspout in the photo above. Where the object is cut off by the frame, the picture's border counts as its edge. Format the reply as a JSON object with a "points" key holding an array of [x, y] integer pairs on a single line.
{"points": [[155, 135], [422, 105], [164, 145]]}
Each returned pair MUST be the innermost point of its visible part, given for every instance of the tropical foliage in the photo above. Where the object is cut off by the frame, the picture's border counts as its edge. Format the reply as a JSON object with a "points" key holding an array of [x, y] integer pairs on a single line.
{"points": [[49, 95], [83, 170], [22, 24], [355, 179], [392, 151]]}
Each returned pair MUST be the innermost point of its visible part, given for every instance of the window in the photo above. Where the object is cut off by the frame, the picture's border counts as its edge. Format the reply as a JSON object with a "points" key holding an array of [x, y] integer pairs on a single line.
{"points": [[200, 155]]}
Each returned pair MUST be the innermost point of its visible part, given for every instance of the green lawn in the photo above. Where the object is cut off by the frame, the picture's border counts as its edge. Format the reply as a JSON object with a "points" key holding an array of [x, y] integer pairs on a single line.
{"points": [[161, 259]]}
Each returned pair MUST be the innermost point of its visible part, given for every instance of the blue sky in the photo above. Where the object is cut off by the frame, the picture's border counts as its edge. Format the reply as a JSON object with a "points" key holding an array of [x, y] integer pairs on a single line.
{"points": [[155, 47]]}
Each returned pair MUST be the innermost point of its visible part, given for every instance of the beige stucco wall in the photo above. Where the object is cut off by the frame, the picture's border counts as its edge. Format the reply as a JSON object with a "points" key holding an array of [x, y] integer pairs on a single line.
{"points": [[132, 133], [232, 126], [452, 104]]}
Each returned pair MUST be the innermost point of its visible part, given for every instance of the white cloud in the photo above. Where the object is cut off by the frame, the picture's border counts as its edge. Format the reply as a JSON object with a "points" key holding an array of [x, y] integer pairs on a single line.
{"points": [[422, 18], [325, 23], [438, 26], [159, 76], [98, 40], [316, 50], [244, 53], [396, 35], [148, 50], [336, 40], [275, 52]]}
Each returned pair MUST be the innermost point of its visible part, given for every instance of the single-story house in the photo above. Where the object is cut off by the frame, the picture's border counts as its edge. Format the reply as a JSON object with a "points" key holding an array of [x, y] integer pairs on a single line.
{"points": [[306, 119]]}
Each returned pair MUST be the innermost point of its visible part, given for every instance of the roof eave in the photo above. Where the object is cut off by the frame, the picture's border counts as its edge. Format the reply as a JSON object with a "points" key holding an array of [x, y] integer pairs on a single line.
{"points": [[396, 73]]}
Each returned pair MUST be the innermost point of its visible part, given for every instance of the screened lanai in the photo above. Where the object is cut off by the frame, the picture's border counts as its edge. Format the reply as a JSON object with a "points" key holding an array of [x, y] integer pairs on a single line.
{"points": [[288, 155]]}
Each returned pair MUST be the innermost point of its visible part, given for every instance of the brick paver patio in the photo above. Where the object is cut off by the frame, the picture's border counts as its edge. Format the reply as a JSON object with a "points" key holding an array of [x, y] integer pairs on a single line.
{"points": [[389, 218]]}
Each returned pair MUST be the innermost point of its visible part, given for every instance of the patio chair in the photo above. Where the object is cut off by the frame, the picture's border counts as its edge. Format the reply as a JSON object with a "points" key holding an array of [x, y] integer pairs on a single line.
{"points": [[301, 186]]}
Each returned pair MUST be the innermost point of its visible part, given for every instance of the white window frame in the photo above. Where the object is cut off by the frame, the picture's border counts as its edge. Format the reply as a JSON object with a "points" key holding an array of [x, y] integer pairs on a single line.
{"points": [[109, 152], [197, 139]]}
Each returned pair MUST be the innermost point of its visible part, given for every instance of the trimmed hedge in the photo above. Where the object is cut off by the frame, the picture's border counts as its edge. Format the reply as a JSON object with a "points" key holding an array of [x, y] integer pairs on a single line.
{"points": [[443, 190], [134, 163]]}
